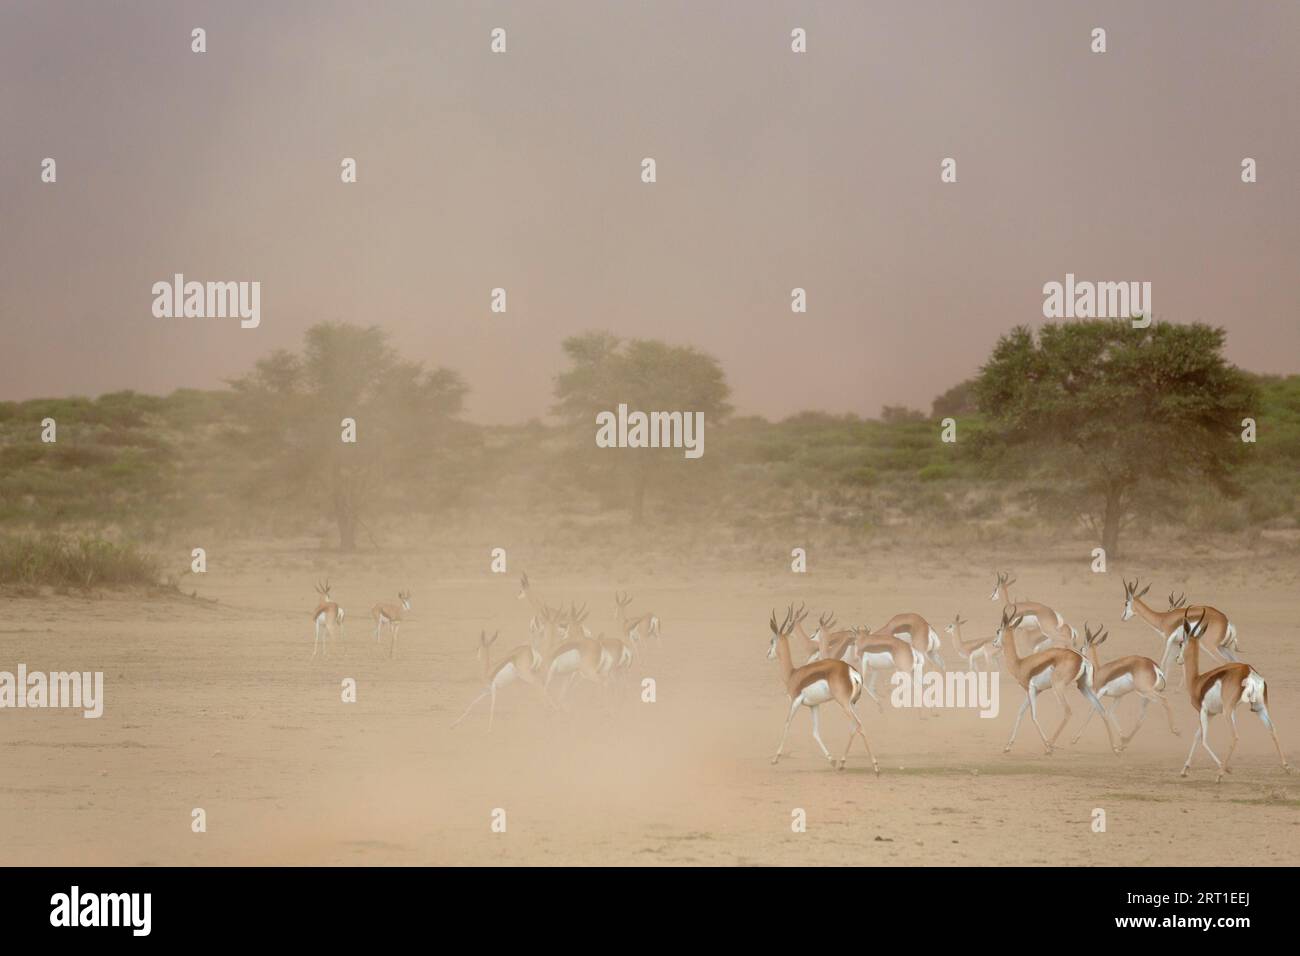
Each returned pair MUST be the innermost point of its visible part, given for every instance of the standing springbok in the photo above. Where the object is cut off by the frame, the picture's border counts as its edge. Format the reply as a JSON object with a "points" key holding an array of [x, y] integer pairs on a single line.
{"points": [[1042, 624], [392, 615], [523, 663], [967, 650], [1169, 624], [1119, 678], [1057, 668], [328, 617], [813, 685], [1219, 691]]}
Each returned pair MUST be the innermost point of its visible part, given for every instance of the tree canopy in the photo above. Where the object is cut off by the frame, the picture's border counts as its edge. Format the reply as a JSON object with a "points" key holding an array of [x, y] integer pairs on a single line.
{"points": [[291, 408], [1111, 417]]}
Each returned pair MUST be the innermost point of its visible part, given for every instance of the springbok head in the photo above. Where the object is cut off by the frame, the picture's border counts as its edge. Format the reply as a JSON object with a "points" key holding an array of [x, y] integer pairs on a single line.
{"points": [[1008, 623], [779, 631], [1005, 580], [1131, 594]]}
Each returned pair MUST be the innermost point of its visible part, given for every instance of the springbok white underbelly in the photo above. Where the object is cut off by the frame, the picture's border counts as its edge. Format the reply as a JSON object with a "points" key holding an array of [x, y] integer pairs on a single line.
{"points": [[818, 692], [878, 662], [1118, 687]]}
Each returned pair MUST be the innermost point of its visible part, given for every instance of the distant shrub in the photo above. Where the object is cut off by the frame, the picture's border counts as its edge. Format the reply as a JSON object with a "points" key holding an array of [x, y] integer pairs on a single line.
{"points": [[936, 471], [57, 561]]}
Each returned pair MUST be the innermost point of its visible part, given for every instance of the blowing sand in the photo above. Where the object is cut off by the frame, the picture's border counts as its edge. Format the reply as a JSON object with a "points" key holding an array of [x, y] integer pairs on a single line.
{"points": [[216, 704]]}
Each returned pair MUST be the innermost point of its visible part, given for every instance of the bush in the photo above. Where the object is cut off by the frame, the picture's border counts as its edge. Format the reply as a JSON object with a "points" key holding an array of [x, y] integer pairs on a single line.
{"points": [[57, 561]]}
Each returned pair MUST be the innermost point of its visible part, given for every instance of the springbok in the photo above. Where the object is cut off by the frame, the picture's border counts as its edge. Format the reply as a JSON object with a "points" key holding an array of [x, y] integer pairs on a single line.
{"points": [[617, 655], [392, 615], [1169, 624], [1057, 668], [522, 663], [1219, 691], [917, 631], [1049, 624], [580, 655], [328, 617], [1119, 678], [967, 650], [882, 652], [813, 685], [630, 627]]}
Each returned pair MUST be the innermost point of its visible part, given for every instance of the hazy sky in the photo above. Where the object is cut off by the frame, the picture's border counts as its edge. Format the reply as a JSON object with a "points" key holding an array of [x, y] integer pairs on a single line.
{"points": [[522, 170]]}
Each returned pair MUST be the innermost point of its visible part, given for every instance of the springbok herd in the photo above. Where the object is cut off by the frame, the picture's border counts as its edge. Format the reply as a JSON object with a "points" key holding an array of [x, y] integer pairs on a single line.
{"points": [[561, 646], [1060, 660]]}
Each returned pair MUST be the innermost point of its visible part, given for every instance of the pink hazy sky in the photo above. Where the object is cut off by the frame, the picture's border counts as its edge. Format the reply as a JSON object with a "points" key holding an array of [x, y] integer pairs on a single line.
{"points": [[522, 170]]}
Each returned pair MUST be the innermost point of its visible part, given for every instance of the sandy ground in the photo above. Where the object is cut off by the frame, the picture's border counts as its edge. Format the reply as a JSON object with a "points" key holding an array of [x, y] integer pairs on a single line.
{"points": [[217, 705]]}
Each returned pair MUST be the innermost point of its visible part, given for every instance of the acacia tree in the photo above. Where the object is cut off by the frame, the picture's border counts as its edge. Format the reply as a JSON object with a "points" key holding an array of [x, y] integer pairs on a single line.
{"points": [[645, 375], [290, 409], [1112, 418]]}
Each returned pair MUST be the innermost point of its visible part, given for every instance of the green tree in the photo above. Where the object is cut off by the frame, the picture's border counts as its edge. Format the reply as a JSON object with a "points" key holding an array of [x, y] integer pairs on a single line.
{"points": [[290, 409], [1112, 418], [645, 375]]}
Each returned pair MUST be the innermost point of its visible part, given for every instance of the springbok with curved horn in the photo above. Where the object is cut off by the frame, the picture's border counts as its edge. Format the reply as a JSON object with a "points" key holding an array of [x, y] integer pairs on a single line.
{"points": [[1169, 624], [328, 617], [576, 655], [1057, 668], [968, 650], [522, 663], [813, 685], [1048, 624], [391, 615], [1219, 691], [630, 627], [1119, 678]]}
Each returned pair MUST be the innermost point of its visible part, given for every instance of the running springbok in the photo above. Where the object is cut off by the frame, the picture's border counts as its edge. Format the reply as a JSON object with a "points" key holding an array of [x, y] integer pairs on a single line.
{"points": [[1119, 678], [1056, 667], [967, 650], [576, 655], [813, 685], [1219, 691], [877, 652], [617, 655], [1049, 624], [917, 631], [1169, 624], [392, 615], [541, 610], [522, 663], [881, 651], [328, 617]]}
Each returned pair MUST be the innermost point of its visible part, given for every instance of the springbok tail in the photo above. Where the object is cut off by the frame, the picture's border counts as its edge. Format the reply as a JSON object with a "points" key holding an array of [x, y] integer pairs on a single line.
{"points": [[653, 629], [1161, 682], [1252, 690]]}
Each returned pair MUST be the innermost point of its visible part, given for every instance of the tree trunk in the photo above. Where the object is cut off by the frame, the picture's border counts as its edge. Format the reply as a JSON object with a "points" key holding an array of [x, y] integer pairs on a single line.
{"points": [[1111, 521], [347, 531], [345, 516]]}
